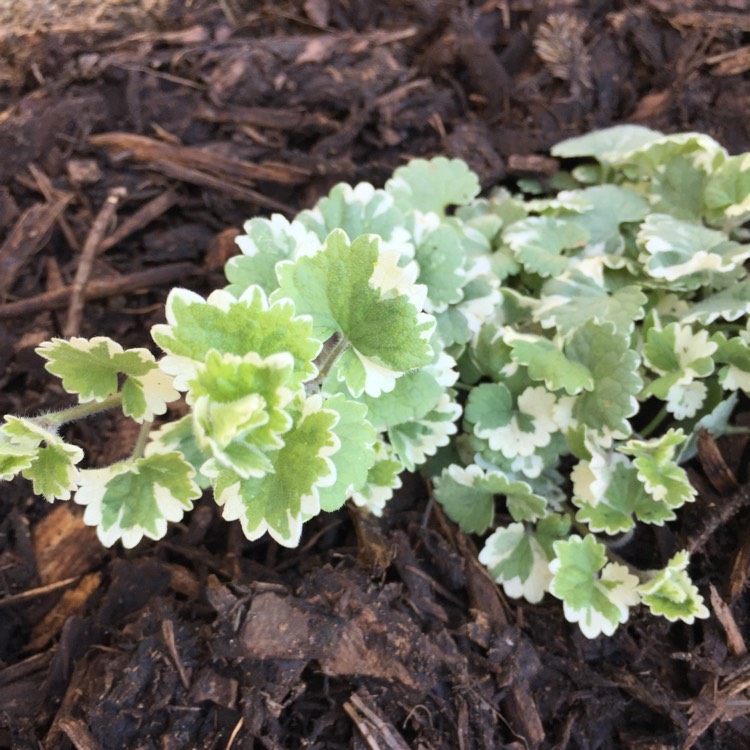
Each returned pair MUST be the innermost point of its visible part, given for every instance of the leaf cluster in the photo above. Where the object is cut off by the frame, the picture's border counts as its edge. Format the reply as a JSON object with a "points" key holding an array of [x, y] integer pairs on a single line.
{"points": [[546, 356]]}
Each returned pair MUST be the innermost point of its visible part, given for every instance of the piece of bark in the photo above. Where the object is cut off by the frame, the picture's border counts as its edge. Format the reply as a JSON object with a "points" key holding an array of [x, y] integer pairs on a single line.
{"points": [[29, 235]]}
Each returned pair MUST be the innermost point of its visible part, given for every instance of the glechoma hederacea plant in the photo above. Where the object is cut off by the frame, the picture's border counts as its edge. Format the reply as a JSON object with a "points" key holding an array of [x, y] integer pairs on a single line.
{"points": [[545, 356]]}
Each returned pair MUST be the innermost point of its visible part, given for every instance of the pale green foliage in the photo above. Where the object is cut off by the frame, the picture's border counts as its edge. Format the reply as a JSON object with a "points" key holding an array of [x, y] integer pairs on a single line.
{"points": [[547, 361]]}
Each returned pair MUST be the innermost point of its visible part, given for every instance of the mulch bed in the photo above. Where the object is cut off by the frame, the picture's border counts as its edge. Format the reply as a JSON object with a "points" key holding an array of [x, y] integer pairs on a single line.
{"points": [[135, 139]]}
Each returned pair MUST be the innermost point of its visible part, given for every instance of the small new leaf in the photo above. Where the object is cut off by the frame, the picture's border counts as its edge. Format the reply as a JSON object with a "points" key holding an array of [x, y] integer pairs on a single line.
{"points": [[671, 593], [195, 326], [662, 478], [282, 499], [41, 456]]}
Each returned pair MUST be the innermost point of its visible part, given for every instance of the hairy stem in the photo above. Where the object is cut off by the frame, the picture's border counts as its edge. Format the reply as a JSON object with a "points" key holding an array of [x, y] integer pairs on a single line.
{"points": [[51, 421]]}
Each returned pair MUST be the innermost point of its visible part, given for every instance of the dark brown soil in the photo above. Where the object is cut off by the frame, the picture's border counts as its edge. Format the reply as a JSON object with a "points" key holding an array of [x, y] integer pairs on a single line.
{"points": [[382, 636]]}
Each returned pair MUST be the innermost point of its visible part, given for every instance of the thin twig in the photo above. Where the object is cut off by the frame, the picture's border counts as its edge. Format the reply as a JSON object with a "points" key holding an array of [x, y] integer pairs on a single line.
{"points": [[104, 288], [86, 261]]}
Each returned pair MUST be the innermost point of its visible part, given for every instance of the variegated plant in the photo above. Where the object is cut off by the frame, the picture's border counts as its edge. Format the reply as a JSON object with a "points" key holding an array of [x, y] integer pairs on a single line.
{"points": [[547, 357]]}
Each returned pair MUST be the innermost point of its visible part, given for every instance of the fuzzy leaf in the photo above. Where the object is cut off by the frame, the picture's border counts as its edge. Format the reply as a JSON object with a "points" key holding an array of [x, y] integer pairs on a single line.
{"points": [[133, 499], [41, 456], [671, 593], [598, 602]]}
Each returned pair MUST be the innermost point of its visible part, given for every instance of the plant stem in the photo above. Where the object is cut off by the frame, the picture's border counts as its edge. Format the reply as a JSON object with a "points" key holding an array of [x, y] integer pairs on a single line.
{"points": [[51, 421], [327, 358], [655, 422], [140, 444]]}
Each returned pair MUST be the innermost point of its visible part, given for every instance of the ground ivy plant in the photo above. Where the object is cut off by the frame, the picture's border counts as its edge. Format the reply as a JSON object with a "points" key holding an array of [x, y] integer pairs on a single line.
{"points": [[545, 356]]}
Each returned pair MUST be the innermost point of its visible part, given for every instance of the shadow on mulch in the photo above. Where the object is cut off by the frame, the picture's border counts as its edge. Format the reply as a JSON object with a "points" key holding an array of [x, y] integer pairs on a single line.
{"points": [[193, 117]]}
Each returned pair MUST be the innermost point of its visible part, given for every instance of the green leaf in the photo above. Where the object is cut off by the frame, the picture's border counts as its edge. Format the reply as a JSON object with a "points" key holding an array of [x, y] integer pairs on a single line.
{"points": [[467, 495], [716, 422], [597, 602], [607, 144], [91, 368], [490, 405], [539, 241], [179, 436], [735, 354], [576, 299], [623, 498], [53, 472], [729, 304], [415, 394], [356, 456], [679, 356], [41, 456], [517, 561], [264, 244], [433, 185], [610, 206], [359, 210], [614, 367], [684, 253], [677, 349], [415, 440], [658, 471], [671, 593], [383, 477], [133, 499], [14, 458], [281, 500], [195, 326], [354, 290], [545, 361], [441, 258], [727, 192]]}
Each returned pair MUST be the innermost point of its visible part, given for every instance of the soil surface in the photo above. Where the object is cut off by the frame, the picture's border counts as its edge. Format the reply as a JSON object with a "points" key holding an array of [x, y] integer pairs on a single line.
{"points": [[191, 117]]}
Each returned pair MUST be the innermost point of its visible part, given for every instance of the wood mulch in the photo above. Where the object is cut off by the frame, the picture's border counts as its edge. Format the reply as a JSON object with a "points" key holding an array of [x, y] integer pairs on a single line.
{"points": [[135, 139]]}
